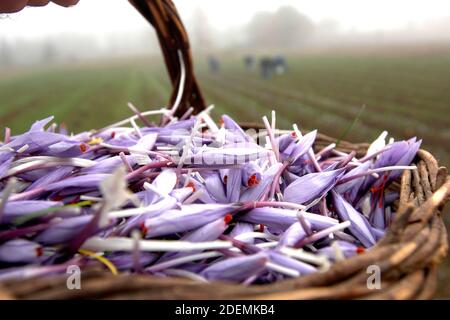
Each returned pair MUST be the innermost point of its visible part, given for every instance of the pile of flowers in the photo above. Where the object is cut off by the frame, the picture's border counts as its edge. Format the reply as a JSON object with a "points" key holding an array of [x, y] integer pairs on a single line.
{"points": [[190, 198]]}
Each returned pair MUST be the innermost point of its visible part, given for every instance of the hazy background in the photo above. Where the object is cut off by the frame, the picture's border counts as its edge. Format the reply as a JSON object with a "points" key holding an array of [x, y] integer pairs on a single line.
{"points": [[83, 64], [107, 28]]}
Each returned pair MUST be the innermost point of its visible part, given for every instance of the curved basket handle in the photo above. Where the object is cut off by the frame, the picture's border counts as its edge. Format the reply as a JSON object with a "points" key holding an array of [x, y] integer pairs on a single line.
{"points": [[174, 43]]}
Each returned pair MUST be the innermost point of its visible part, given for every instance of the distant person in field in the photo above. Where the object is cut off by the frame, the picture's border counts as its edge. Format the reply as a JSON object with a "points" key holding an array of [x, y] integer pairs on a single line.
{"points": [[11, 6], [272, 66], [266, 66], [249, 62], [214, 64], [280, 64]]}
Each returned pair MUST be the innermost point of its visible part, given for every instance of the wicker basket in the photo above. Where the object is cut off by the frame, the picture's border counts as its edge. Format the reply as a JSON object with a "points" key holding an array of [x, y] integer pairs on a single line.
{"points": [[408, 255]]}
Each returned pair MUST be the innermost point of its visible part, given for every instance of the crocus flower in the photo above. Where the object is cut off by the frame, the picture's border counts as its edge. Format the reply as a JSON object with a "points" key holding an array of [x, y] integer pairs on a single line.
{"points": [[233, 129], [20, 251], [311, 186], [281, 219], [234, 182], [287, 262], [16, 209], [63, 230], [360, 227], [187, 218], [258, 191], [251, 174], [215, 188], [5, 163], [242, 228], [293, 234], [236, 269]]}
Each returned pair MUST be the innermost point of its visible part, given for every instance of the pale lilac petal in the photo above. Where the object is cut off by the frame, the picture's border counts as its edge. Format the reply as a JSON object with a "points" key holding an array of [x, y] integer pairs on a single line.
{"points": [[311, 186], [16, 209], [360, 227], [236, 269], [287, 262], [215, 187], [293, 234], [234, 180], [63, 231], [189, 217], [258, 191], [20, 251]]}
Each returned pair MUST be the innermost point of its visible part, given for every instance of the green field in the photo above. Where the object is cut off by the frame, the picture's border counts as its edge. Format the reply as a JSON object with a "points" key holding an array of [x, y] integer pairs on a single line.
{"points": [[406, 94]]}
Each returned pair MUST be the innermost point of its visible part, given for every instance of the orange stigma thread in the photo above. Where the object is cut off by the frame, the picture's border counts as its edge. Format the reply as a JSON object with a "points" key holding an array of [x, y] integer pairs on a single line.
{"points": [[293, 134], [144, 229], [113, 135], [228, 217], [360, 250], [191, 185], [261, 228], [83, 148], [252, 181], [39, 252]]}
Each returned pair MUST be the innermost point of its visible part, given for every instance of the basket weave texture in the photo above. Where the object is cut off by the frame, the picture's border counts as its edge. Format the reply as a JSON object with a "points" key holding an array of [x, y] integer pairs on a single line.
{"points": [[408, 255]]}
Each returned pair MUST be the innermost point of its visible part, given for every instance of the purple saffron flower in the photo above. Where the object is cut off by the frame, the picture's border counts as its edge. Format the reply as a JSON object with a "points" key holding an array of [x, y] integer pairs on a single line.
{"points": [[181, 194], [189, 217], [360, 227], [293, 234], [234, 130], [65, 149], [63, 231], [89, 181], [351, 188], [5, 163], [15, 209], [108, 165], [282, 219], [55, 175], [241, 228], [124, 261], [20, 251], [287, 262], [40, 124], [311, 186], [236, 269], [36, 141], [234, 182], [258, 191], [296, 151], [214, 186], [251, 174]]}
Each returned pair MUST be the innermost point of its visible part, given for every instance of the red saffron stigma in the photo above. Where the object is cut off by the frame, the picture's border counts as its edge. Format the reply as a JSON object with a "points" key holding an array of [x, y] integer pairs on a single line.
{"points": [[39, 251], [293, 134], [191, 185], [360, 250], [252, 181], [83, 148], [57, 197], [261, 228], [113, 135], [228, 217], [143, 228], [225, 179]]}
